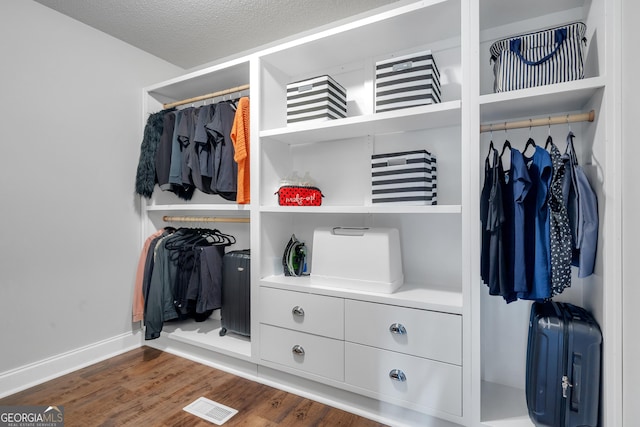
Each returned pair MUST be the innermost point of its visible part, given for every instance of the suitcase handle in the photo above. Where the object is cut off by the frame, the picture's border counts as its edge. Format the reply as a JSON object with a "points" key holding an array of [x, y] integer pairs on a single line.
{"points": [[577, 380], [297, 311]]}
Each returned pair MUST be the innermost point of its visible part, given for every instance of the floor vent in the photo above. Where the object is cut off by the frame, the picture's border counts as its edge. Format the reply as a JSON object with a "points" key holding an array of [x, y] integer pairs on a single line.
{"points": [[211, 411]]}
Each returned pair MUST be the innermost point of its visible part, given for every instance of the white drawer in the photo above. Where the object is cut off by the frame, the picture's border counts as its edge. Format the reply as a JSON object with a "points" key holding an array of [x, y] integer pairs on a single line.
{"points": [[422, 333], [310, 353], [317, 314], [422, 382]]}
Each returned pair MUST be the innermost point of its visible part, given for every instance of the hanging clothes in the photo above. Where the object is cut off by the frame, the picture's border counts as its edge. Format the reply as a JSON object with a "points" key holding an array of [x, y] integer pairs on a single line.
{"points": [[485, 260], [225, 176], [186, 277], [186, 130], [175, 168], [543, 220], [241, 144], [146, 172], [138, 293], [495, 220], [163, 155], [199, 149], [582, 207], [516, 185], [537, 222], [193, 148], [203, 148], [559, 230]]}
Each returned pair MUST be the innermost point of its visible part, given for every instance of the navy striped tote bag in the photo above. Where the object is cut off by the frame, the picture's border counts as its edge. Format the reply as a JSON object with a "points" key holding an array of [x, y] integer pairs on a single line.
{"points": [[545, 57]]}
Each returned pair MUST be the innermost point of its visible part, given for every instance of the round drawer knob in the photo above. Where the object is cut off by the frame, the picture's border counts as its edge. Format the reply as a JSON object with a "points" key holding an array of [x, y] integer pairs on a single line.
{"points": [[397, 328], [297, 311], [297, 350], [397, 375]]}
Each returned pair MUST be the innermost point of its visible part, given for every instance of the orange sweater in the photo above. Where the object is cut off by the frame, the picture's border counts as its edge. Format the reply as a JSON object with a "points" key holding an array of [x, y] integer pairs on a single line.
{"points": [[240, 138]]}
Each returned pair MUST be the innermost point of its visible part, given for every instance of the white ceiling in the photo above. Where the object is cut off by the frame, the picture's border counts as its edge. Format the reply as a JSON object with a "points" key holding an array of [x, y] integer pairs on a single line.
{"points": [[189, 33]]}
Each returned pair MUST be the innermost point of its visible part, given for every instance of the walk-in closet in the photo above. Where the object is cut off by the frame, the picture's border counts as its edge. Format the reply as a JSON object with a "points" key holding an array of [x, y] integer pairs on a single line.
{"points": [[445, 347]]}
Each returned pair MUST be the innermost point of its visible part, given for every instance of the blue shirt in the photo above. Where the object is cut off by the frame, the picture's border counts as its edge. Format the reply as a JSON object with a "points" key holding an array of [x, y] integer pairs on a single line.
{"points": [[537, 244], [582, 206], [519, 183]]}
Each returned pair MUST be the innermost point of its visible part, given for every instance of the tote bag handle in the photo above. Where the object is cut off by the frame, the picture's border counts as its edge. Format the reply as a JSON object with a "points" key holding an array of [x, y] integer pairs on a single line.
{"points": [[516, 44]]}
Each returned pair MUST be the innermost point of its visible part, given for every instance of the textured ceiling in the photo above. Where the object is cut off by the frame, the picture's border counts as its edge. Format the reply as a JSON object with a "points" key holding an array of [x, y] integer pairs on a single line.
{"points": [[189, 33]]}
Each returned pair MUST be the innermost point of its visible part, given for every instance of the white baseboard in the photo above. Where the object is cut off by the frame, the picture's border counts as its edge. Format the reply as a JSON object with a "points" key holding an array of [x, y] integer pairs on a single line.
{"points": [[44, 370]]}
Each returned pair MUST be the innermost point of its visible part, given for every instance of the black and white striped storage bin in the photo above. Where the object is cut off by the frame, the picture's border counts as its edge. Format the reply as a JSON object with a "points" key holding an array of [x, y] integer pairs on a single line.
{"points": [[407, 81], [319, 98], [544, 57], [408, 177]]}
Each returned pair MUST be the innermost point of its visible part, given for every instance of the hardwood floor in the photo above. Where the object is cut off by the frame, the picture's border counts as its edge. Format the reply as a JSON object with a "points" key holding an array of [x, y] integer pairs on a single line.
{"points": [[148, 387]]}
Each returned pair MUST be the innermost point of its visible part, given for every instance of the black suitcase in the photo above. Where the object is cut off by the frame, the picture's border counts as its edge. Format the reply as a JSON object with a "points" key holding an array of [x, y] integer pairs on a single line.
{"points": [[236, 293], [563, 366]]}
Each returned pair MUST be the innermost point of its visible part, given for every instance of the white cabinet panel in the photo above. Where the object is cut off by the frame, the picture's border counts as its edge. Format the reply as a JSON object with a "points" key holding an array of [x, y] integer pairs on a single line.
{"points": [[421, 333], [316, 314], [305, 352], [424, 382]]}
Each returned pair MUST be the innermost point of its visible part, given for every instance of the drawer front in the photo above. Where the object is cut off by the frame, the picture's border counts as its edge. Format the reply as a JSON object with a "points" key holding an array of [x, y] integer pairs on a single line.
{"points": [[316, 314], [305, 352], [423, 382], [421, 333]]}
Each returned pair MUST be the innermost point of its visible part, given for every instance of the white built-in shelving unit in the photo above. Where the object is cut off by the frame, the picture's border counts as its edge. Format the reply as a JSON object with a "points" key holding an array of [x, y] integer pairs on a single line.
{"points": [[478, 374]]}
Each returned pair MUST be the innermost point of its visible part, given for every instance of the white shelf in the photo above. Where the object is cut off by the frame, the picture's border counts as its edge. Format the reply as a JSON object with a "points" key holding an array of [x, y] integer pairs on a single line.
{"points": [[389, 208], [539, 101], [504, 406], [198, 207], [409, 295], [350, 52], [201, 82], [421, 23], [496, 13], [424, 117], [207, 335]]}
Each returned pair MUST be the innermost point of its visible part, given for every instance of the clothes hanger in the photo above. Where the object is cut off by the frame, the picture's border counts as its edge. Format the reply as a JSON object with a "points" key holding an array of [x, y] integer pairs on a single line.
{"points": [[506, 144], [530, 141], [549, 139], [491, 146]]}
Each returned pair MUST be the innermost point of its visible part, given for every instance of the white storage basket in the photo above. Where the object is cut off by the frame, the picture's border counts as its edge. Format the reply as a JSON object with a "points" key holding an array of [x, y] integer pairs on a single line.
{"points": [[366, 259], [407, 81], [317, 99], [406, 177]]}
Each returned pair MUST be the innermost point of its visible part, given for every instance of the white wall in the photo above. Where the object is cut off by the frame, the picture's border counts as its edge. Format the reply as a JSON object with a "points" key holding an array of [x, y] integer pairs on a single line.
{"points": [[71, 115], [630, 210]]}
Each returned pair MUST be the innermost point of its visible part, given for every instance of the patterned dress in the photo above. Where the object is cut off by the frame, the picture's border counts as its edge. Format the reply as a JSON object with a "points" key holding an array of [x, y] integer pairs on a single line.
{"points": [[559, 231]]}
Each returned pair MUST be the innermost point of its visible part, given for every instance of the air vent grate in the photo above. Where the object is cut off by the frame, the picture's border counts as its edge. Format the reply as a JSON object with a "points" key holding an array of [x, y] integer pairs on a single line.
{"points": [[211, 411]]}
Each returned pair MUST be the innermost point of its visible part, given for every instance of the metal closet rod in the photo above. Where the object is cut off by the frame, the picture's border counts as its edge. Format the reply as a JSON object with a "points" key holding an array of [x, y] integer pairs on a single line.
{"points": [[167, 218], [555, 120], [207, 96]]}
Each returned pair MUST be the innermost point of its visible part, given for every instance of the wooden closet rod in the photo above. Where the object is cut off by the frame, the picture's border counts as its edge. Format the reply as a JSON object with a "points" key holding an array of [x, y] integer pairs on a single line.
{"points": [[555, 120], [167, 218], [207, 96]]}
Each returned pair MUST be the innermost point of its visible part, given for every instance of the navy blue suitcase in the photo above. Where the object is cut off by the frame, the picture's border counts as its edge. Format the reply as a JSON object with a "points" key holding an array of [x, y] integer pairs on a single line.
{"points": [[563, 366], [236, 293]]}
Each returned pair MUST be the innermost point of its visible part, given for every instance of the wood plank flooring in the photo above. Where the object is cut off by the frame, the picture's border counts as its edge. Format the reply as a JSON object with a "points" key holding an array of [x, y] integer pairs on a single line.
{"points": [[148, 387]]}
